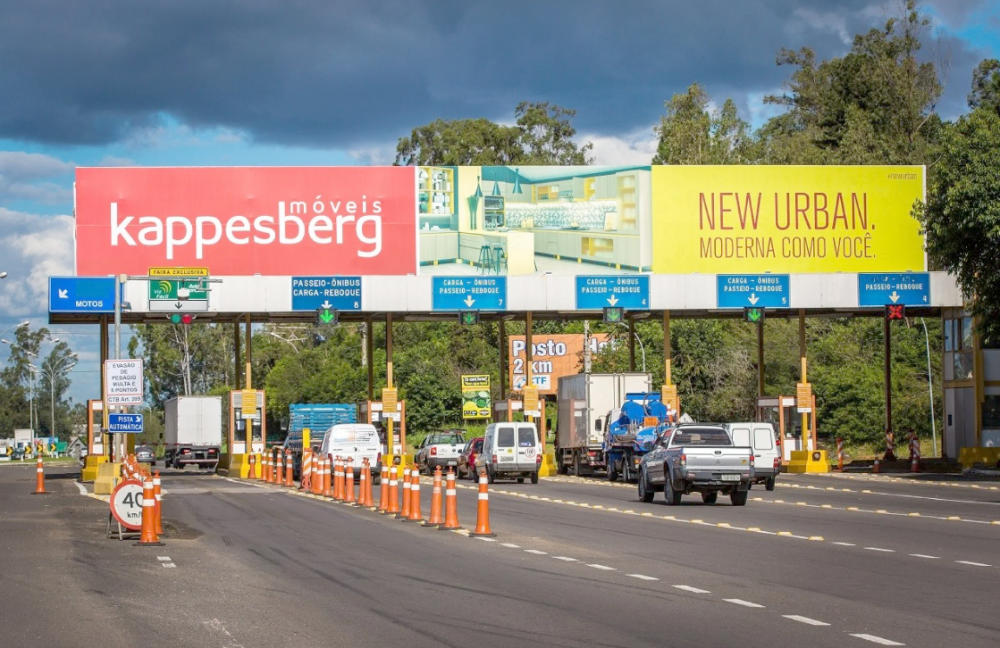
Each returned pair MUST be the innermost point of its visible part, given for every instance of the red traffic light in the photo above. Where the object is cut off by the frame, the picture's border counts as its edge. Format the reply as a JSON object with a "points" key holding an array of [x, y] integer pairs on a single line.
{"points": [[895, 312], [187, 318]]}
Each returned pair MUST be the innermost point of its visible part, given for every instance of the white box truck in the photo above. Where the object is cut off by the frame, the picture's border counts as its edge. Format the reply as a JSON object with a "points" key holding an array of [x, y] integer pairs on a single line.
{"points": [[193, 431], [583, 400]]}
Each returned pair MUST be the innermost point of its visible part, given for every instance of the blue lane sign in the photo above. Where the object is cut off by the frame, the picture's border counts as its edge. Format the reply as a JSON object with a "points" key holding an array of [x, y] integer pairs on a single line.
{"points": [[594, 292], [81, 294], [881, 289], [745, 291], [335, 293], [469, 293], [124, 423]]}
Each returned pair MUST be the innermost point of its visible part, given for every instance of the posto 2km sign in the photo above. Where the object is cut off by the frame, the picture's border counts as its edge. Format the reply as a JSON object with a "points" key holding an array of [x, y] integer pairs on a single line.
{"points": [[123, 382]]}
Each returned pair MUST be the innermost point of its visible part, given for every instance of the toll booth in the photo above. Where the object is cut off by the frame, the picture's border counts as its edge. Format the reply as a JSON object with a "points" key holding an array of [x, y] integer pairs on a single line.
{"points": [[513, 410], [371, 412], [238, 423], [782, 413], [95, 429]]}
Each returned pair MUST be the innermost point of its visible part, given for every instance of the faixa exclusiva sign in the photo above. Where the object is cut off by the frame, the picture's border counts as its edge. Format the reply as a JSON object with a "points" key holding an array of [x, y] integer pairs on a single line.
{"points": [[246, 220]]}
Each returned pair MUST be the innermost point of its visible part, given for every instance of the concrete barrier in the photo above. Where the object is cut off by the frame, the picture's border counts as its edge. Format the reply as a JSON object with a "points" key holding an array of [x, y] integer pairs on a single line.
{"points": [[108, 475], [809, 461], [90, 465], [969, 457], [548, 468]]}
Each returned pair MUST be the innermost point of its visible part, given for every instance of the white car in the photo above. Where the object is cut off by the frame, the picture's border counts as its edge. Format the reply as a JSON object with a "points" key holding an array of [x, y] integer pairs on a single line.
{"points": [[766, 449], [511, 450], [440, 449], [358, 441]]}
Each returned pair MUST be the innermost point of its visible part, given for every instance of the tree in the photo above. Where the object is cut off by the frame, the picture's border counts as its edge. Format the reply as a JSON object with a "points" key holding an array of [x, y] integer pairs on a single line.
{"points": [[183, 359], [962, 215], [543, 134], [690, 134], [986, 86]]}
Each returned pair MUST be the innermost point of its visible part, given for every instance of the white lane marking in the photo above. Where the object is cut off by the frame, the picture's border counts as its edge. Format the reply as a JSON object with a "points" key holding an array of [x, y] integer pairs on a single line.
{"points": [[693, 590], [81, 488], [643, 577], [487, 539], [974, 564], [743, 603], [536, 552], [926, 556], [565, 558], [603, 567], [169, 565], [880, 549], [845, 544], [936, 499], [511, 545], [163, 558], [878, 640], [806, 620]]}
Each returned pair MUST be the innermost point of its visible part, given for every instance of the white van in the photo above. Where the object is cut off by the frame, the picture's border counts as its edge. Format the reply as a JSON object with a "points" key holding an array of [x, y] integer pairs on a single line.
{"points": [[511, 450], [766, 449], [356, 440]]}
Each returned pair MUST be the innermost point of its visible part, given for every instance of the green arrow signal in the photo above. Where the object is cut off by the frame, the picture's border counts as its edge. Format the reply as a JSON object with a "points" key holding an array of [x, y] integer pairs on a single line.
{"points": [[754, 315], [325, 316]]}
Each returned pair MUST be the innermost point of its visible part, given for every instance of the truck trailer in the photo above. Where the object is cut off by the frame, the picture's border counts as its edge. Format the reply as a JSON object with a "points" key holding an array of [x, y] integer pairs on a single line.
{"points": [[193, 433]]}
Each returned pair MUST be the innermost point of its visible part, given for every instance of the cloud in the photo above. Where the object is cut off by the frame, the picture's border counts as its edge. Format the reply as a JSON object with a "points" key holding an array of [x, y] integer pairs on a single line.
{"points": [[33, 248], [638, 147], [23, 176]]}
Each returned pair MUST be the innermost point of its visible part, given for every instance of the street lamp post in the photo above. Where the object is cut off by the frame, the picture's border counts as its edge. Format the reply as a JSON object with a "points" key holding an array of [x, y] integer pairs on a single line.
{"points": [[52, 369]]}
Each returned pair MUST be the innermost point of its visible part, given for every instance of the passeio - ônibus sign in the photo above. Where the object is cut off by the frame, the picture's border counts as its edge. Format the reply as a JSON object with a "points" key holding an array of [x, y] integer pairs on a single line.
{"points": [[247, 220]]}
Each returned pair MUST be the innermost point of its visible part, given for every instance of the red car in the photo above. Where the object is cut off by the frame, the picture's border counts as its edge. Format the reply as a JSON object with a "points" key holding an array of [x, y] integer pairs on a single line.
{"points": [[467, 460]]}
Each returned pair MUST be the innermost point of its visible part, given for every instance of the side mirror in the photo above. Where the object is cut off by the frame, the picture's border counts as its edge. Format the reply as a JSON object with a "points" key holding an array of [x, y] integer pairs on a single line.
{"points": [[599, 425]]}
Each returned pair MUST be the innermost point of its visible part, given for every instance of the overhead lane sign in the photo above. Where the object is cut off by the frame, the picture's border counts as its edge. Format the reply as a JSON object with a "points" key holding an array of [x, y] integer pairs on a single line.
{"points": [[594, 292], [469, 293], [81, 294], [745, 291], [881, 289], [332, 293]]}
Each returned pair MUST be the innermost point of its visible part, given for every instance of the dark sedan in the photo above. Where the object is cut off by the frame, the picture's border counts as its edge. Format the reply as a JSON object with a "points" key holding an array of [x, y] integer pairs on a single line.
{"points": [[145, 454]]}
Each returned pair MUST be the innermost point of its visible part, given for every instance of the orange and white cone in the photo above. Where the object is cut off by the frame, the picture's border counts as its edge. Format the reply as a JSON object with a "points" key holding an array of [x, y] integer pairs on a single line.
{"points": [[383, 490], [279, 470], [840, 455], [393, 493], [252, 473], [875, 467], [483, 512], [451, 505], [914, 454], [147, 535], [40, 478], [349, 482], [328, 476], [289, 470], [404, 478], [436, 519], [265, 468], [157, 507], [365, 499], [415, 514], [305, 476], [338, 479]]}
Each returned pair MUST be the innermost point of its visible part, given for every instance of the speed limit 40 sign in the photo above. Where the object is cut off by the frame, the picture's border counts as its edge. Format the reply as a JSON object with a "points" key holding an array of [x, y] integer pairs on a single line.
{"points": [[126, 504]]}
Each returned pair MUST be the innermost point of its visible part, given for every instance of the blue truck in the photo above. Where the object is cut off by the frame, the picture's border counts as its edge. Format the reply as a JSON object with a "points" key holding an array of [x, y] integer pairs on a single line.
{"points": [[629, 433], [318, 418]]}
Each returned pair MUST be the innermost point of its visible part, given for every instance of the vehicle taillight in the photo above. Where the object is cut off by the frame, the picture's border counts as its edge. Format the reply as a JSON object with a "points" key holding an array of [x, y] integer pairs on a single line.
{"points": [[538, 459], [751, 458], [186, 451], [378, 459], [213, 451], [684, 459], [434, 451], [777, 463], [494, 460]]}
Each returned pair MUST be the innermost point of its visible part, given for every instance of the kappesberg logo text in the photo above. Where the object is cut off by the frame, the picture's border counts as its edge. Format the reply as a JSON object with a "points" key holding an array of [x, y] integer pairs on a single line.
{"points": [[294, 223]]}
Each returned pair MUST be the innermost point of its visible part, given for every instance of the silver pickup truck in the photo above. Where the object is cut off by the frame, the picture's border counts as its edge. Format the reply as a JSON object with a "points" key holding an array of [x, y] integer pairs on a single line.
{"points": [[696, 458]]}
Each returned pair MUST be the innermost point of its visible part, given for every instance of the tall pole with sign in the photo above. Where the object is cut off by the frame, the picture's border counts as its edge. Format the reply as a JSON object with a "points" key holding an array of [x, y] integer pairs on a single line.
{"points": [[117, 438]]}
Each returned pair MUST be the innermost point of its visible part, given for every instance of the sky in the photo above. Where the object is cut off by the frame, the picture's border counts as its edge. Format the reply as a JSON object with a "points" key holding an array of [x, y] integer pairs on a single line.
{"points": [[300, 82]]}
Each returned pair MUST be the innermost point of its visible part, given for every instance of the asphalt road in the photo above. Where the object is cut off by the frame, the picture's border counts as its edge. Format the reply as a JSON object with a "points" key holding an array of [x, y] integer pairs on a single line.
{"points": [[576, 562]]}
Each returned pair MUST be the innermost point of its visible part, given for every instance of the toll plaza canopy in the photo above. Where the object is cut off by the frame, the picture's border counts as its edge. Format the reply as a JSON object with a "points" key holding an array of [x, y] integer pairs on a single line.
{"points": [[427, 242]]}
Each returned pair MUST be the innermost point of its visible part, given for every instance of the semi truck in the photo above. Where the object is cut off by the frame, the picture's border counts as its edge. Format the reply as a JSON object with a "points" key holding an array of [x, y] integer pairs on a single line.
{"points": [[193, 431], [584, 403]]}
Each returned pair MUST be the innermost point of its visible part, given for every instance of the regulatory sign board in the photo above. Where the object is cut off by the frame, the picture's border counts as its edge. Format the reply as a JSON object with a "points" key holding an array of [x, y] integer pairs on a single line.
{"points": [[174, 289], [126, 504], [469, 293], [881, 289], [594, 292], [336, 293], [803, 397], [81, 294], [123, 382], [178, 272], [763, 291], [125, 423]]}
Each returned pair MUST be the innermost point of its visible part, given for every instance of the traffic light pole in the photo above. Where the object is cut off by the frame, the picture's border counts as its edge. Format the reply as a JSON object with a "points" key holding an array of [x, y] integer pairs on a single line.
{"points": [[887, 329], [760, 357]]}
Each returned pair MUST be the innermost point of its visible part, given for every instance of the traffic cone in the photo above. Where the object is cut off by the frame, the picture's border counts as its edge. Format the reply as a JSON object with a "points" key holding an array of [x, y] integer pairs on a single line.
{"points": [[875, 467], [415, 514], [338, 483], [383, 490], [275, 467], [349, 482], [435, 520], [147, 536], [393, 508], [451, 505], [305, 474], [289, 471], [365, 499], [252, 473], [327, 476], [265, 468], [40, 478], [279, 470], [404, 477], [483, 512], [157, 508]]}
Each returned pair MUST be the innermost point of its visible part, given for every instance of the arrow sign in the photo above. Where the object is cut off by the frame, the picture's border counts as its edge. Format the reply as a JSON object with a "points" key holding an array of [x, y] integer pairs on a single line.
{"points": [[337, 293], [875, 290], [460, 293], [762, 291], [596, 292], [82, 294], [325, 316], [63, 293]]}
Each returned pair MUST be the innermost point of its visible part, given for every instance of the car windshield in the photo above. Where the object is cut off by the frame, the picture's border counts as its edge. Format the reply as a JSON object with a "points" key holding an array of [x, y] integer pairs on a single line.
{"points": [[445, 437], [525, 437], [701, 436]]}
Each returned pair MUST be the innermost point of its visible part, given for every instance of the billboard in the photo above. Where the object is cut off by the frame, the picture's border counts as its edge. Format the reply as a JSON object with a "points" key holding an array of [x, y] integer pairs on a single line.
{"points": [[786, 219], [553, 356], [246, 220], [477, 402]]}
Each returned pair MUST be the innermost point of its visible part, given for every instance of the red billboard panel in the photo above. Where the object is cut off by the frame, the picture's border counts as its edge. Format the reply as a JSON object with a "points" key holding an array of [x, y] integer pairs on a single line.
{"points": [[247, 220]]}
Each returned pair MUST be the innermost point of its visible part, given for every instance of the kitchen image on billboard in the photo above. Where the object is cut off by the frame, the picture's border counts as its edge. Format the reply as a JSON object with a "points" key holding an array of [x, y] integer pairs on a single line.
{"points": [[503, 220]]}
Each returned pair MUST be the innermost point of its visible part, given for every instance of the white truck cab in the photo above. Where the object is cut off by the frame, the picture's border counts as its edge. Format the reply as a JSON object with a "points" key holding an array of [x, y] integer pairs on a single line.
{"points": [[766, 449]]}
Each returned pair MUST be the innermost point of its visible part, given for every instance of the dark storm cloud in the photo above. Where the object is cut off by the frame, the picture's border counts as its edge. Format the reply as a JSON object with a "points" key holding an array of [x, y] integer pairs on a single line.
{"points": [[345, 72]]}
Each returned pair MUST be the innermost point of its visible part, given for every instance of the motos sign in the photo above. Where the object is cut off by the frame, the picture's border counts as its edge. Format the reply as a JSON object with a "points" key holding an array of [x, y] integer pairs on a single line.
{"points": [[247, 220]]}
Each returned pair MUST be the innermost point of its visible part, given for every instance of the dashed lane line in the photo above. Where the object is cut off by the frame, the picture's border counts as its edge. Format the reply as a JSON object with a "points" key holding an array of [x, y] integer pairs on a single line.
{"points": [[693, 590], [879, 640], [643, 577], [565, 559], [880, 549], [806, 620], [743, 603], [601, 567], [925, 556], [536, 552], [511, 545], [974, 564]]}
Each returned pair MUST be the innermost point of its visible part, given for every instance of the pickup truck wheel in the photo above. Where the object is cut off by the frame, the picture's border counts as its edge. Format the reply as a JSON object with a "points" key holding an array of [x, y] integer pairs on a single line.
{"points": [[534, 477], [673, 497], [769, 484], [489, 476], [563, 469], [710, 498], [612, 473], [645, 494], [739, 498], [376, 480]]}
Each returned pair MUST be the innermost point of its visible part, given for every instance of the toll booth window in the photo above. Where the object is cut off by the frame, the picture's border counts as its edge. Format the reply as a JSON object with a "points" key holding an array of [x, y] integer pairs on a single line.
{"points": [[991, 412], [505, 437], [949, 335], [967, 331], [525, 437]]}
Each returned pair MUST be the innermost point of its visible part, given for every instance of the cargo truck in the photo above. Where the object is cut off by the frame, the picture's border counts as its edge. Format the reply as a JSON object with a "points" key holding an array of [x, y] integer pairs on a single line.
{"points": [[318, 418], [193, 431], [584, 402]]}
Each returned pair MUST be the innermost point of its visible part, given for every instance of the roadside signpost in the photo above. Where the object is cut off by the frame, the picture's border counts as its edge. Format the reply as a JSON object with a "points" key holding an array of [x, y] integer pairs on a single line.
{"points": [[329, 293], [747, 291], [469, 293], [81, 294], [597, 292], [126, 509], [876, 290], [119, 423], [123, 382]]}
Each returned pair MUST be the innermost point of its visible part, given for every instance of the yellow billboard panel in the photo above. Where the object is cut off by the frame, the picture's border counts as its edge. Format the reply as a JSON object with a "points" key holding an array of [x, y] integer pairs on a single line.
{"points": [[786, 219]]}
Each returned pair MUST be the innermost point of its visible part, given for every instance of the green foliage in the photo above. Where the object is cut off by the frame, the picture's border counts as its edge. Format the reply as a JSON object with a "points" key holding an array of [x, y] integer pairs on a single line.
{"points": [[986, 86], [690, 134]]}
